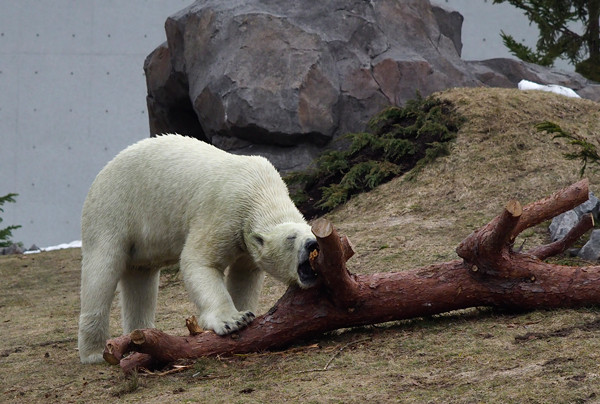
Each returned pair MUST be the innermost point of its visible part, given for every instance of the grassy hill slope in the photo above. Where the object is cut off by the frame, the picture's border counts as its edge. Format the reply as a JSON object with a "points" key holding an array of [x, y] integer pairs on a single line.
{"points": [[498, 156]]}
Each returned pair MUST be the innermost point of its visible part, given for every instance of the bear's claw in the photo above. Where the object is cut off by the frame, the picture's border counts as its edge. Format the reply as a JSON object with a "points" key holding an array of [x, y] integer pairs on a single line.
{"points": [[235, 324]]}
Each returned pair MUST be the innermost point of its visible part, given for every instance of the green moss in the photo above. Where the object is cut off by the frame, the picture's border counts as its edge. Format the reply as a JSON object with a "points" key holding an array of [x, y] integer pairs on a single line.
{"points": [[398, 140]]}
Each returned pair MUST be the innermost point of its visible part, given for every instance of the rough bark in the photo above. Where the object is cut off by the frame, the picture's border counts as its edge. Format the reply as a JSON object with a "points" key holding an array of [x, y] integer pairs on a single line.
{"points": [[490, 273]]}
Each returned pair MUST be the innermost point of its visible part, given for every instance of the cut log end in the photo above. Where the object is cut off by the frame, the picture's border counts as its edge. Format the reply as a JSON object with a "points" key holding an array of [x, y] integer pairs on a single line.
{"points": [[514, 208], [109, 356], [137, 337], [322, 228]]}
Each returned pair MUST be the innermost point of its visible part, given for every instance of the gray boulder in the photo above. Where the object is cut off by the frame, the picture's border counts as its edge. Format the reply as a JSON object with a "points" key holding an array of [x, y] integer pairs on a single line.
{"points": [[562, 224], [450, 23], [590, 206], [283, 79], [591, 250], [11, 249]]}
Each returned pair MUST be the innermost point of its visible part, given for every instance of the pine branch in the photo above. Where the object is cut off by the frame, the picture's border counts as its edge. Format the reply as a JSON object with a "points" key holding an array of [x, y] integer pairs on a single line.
{"points": [[6, 233], [587, 151]]}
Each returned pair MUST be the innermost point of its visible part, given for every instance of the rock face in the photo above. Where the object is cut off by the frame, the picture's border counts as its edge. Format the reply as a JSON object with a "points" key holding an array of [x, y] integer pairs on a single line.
{"points": [[564, 222], [282, 79], [591, 250]]}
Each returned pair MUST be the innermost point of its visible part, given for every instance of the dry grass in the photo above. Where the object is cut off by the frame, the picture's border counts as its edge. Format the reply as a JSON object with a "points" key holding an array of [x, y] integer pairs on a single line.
{"points": [[476, 355], [498, 156]]}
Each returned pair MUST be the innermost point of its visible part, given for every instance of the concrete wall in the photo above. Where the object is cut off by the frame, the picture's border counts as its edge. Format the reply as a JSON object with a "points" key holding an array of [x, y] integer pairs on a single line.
{"points": [[72, 95]]}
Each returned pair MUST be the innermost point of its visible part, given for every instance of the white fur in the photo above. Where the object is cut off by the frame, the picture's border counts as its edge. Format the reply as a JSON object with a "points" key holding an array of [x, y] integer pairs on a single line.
{"points": [[226, 218]]}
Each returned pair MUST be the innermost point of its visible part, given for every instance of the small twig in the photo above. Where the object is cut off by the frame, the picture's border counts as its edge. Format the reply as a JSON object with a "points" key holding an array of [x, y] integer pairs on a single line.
{"points": [[335, 355], [58, 341], [210, 377], [518, 250], [174, 369], [178, 369]]}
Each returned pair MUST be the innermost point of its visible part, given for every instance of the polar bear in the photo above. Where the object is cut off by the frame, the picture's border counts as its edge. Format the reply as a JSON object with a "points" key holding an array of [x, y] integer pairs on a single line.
{"points": [[227, 219]]}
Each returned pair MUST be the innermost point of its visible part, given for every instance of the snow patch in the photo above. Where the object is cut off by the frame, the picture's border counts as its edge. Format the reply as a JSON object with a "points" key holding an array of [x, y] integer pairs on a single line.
{"points": [[72, 244], [552, 88]]}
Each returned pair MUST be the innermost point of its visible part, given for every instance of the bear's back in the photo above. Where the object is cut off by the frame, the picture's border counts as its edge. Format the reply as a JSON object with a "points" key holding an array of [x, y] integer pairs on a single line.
{"points": [[172, 161], [174, 177]]}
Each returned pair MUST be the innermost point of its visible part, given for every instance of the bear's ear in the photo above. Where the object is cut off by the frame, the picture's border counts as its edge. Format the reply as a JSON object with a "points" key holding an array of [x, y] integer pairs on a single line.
{"points": [[257, 240]]}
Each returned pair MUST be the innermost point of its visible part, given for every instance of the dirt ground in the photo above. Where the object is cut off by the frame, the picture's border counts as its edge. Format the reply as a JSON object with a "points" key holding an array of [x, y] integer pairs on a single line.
{"points": [[469, 356]]}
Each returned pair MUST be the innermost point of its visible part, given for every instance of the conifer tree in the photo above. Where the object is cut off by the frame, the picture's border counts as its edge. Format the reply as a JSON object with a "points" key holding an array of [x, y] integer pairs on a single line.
{"points": [[6, 233], [556, 38]]}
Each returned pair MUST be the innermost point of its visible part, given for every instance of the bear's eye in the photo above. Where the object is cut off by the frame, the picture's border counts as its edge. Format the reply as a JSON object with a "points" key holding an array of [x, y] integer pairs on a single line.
{"points": [[292, 237]]}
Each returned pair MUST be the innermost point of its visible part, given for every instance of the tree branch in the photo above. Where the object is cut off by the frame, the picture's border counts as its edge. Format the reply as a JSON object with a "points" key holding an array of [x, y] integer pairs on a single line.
{"points": [[490, 274], [542, 252], [553, 205]]}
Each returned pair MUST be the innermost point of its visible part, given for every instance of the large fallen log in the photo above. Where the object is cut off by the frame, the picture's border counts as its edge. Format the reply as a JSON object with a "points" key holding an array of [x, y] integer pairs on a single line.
{"points": [[490, 273]]}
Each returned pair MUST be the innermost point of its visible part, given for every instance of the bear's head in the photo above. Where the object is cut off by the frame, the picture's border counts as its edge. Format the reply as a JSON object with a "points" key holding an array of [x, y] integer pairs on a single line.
{"points": [[283, 252]]}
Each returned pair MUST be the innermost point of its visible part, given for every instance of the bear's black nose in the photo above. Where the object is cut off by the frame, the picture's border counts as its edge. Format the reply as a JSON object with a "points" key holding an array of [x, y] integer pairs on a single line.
{"points": [[311, 245]]}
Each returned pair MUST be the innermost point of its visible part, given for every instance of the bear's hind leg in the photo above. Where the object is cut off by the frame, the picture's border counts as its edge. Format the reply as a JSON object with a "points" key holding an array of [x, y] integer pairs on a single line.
{"points": [[139, 291], [99, 279], [244, 283]]}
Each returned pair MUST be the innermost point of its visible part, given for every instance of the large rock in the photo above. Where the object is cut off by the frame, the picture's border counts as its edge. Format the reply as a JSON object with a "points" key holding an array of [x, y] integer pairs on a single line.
{"points": [[562, 224], [591, 250], [283, 78]]}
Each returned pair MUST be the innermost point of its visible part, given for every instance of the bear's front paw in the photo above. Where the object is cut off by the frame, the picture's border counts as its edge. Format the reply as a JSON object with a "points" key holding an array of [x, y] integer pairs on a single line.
{"points": [[224, 326]]}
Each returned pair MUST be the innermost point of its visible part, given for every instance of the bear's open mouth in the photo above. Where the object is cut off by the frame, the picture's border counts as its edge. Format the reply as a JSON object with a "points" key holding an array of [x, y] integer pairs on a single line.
{"points": [[306, 274]]}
